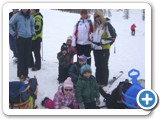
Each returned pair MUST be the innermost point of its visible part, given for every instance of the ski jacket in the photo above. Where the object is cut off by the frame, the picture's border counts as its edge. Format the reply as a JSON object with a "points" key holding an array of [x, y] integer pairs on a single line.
{"points": [[64, 60], [61, 100], [81, 32], [38, 20], [74, 72], [24, 25], [103, 38], [133, 27], [87, 89]]}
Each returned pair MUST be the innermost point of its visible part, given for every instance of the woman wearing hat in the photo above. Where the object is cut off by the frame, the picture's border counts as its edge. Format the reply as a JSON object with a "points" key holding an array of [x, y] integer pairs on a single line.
{"points": [[102, 38], [80, 39]]}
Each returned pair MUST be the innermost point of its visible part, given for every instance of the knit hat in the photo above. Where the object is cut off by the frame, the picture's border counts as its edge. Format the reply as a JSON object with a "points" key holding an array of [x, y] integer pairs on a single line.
{"points": [[68, 83], [85, 68], [64, 47], [83, 58], [69, 38]]}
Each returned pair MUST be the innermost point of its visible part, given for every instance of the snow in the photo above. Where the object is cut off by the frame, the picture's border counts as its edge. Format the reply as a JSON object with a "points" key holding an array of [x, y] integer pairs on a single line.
{"points": [[130, 50]]}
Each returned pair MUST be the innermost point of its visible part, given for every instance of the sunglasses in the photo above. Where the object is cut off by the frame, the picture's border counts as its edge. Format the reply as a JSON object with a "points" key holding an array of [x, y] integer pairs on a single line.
{"points": [[68, 90]]}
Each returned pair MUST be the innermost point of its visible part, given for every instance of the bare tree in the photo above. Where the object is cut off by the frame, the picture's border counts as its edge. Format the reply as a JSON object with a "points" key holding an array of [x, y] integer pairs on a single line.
{"points": [[126, 13], [143, 14]]}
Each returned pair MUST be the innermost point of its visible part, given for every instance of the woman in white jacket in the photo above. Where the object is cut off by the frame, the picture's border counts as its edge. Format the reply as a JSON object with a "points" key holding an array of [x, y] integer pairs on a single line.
{"points": [[80, 39], [102, 38]]}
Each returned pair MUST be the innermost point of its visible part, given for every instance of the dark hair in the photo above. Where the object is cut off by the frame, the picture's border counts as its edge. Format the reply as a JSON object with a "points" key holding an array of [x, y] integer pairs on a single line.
{"points": [[37, 10]]}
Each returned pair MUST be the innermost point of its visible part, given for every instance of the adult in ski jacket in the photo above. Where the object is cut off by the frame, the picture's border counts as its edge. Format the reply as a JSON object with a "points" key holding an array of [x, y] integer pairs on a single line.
{"points": [[36, 40], [102, 38], [80, 39], [23, 34]]}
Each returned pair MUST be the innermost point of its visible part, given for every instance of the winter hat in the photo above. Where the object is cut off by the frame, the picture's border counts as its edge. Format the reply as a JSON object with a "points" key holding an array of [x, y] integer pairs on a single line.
{"points": [[83, 58], [68, 83], [85, 68], [64, 47], [69, 38]]}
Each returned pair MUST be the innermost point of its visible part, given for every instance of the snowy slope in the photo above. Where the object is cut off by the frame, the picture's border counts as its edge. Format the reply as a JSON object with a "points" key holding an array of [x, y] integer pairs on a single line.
{"points": [[59, 25]]}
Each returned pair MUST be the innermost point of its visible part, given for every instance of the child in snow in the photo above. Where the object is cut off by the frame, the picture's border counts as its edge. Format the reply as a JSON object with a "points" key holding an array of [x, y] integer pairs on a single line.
{"points": [[32, 88], [74, 70], [87, 92], [64, 97], [64, 63], [70, 49]]}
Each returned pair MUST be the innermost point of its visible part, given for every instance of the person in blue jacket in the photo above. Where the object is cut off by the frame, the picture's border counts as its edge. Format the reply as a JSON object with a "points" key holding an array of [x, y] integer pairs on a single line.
{"points": [[24, 24]]}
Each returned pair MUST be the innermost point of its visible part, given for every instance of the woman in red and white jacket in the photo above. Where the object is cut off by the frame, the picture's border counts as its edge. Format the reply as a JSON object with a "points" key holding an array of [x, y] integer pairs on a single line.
{"points": [[80, 38]]}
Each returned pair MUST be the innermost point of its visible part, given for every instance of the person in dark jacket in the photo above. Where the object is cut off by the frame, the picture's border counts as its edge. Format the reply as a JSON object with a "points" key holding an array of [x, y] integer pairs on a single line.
{"points": [[74, 70], [23, 34], [87, 92], [36, 40], [64, 63], [70, 49], [12, 41]]}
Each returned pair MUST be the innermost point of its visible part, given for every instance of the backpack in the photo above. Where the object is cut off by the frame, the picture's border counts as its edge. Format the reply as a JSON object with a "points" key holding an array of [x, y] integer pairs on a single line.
{"points": [[15, 94]]}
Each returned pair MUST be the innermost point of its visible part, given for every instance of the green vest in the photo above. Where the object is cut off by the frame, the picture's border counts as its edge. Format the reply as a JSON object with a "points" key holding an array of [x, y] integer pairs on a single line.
{"points": [[38, 18]]}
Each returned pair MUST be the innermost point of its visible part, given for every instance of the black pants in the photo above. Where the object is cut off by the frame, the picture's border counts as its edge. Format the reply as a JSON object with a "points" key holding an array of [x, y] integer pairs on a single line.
{"points": [[84, 50], [91, 105], [12, 43], [133, 32], [63, 73], [101, 58], [24, 50], [36, 47]]}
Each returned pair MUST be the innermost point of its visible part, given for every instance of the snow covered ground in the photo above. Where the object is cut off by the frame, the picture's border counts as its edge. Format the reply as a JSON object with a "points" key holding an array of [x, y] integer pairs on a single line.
{"points": [[130, 50]]}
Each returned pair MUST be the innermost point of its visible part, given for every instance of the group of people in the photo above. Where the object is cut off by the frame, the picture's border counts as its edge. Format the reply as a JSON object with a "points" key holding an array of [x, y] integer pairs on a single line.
{"points": [[78, 88], [25, 36]]}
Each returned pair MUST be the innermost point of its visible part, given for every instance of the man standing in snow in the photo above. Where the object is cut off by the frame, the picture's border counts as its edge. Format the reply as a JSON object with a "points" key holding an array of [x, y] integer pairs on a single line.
{"points": [[23, 34], [36, 40], [80, 38]]}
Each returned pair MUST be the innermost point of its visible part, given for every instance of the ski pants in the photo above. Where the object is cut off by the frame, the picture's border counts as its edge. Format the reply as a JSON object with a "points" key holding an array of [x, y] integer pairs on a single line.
{"points": [[84, 50], [101, 58], [24, 50], [36, 47], [12, 43]]}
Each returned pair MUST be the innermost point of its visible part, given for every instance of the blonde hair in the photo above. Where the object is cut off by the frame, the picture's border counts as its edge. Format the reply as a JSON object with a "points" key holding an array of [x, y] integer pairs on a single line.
{"points": [[102, 19]]}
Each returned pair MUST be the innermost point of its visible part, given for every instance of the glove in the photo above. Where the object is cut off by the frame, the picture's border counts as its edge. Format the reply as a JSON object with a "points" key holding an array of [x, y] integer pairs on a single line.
{"points": [[98, 101], [81, 106]]}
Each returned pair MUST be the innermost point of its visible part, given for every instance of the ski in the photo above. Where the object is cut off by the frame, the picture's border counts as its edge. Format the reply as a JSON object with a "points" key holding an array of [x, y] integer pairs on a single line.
{"points": [[115, 78]]}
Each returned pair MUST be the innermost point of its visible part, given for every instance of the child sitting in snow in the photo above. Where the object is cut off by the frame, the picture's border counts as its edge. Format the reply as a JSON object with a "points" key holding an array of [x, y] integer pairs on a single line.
{"points": [[74, 70], [32, 88], [64, 97], [64, 63], [87, 92], [70, 49]]}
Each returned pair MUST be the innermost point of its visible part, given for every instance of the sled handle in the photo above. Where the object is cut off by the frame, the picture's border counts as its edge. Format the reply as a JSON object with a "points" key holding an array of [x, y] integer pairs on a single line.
{"points": [[134, 77]]}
